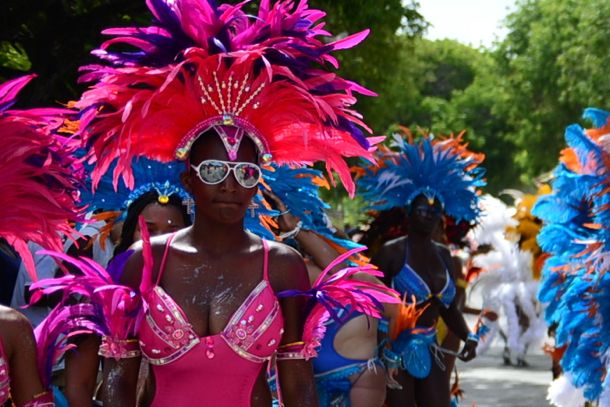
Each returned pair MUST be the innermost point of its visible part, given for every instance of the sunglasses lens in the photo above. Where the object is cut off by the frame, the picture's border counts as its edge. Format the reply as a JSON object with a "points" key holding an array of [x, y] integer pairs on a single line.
{"points": [[247, 174], [213, 172]]}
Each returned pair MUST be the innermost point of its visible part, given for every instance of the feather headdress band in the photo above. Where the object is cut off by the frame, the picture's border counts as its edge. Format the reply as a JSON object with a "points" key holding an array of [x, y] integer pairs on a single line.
{"points": [[39, 176], [441, 169], [149, 175], [298, 189], [204, 66]]}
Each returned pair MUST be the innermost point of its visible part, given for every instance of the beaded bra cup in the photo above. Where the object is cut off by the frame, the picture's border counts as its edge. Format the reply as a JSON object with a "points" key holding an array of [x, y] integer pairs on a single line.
{"points": [[253, 331], [4, 377]]}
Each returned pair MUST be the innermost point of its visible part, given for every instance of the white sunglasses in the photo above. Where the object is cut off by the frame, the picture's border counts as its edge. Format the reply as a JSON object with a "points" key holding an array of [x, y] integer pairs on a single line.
{"points": [[213, 172]]}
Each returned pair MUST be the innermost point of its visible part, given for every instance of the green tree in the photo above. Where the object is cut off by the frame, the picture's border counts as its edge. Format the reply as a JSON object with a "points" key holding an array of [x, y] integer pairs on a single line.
{"points": [[460, 93], [378, 63], [52, 38], [553, 63]]}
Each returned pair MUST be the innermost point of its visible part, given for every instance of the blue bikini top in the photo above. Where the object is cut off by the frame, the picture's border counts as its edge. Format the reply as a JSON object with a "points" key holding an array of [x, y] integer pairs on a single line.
{"points": [[408, 282]]}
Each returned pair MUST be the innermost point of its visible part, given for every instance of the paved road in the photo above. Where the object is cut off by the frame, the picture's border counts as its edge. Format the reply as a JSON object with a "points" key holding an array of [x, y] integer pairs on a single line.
{"points": [[486, 382]]}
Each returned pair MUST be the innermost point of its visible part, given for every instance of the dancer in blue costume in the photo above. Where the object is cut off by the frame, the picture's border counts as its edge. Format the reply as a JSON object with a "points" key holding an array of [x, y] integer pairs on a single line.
{"points": [[430, 178], [347, 369]]}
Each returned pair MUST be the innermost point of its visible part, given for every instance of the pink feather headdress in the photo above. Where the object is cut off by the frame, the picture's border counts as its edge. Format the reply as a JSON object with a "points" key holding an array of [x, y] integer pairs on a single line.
{"points": [[39, 176], [202, 66]]}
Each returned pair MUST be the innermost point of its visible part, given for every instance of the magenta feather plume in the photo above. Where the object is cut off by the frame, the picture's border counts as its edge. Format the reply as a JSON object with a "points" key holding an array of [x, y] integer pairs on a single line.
{"points": [[39, 176], [105, 308], [146, 97]]}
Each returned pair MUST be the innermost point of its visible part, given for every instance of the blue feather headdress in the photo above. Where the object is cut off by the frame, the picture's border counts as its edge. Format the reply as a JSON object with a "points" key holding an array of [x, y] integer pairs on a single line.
{"points": [[575, 283], [298, 188], [149, 175], [442, 170]]}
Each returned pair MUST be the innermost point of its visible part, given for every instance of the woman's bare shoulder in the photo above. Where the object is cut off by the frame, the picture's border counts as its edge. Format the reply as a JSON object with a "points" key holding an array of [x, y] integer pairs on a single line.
{"points": [[14, 327], [132, 272], [287, 269]]}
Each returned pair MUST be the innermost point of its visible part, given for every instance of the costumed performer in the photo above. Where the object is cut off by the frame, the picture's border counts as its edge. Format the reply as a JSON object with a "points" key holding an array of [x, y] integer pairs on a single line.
{"points": [[430, 178], [164, 205], [507, 283], [225, 91], [347, 369]]}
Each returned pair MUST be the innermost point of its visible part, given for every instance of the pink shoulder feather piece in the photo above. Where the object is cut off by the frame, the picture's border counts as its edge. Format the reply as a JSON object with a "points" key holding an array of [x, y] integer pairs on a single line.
{"points": [[342, 291], [105, 308]]}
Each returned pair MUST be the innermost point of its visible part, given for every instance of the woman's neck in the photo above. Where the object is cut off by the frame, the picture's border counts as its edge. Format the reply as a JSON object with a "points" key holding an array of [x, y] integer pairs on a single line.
{"points": [[217, 237], [419, 240]]}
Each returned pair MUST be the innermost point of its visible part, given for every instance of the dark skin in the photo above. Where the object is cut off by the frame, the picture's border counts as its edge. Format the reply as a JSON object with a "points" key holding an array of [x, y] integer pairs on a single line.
{"points": [[357, 339], [83, 362], [218, 244], [429, 260], [20, 350]]}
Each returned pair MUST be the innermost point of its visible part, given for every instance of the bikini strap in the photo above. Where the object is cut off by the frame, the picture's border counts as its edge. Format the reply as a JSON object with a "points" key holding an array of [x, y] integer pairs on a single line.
{"points": [[265, 260], [164, 259]]}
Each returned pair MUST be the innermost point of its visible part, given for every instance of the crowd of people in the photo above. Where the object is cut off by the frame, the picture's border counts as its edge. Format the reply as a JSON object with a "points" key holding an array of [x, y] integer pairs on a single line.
{"points": [[164, 240]]}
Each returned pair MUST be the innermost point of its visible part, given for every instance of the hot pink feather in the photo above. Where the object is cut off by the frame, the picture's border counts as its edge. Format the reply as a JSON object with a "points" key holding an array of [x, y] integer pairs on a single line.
{"points": [[39, 176], [342, 290]]}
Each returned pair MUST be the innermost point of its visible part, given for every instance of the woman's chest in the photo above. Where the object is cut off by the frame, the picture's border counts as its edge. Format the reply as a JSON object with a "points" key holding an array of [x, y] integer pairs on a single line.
{"points": [[209, 301]]}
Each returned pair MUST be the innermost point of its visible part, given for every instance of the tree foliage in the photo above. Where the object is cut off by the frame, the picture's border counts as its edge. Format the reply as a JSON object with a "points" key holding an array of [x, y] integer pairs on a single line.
{"points": [[514, 99], [553, 63]]}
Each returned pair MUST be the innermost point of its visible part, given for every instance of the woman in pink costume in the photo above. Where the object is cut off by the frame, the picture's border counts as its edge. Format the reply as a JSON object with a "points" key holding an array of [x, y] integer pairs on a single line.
{"points": [[226, 92], [38, 184], [161, 201]]}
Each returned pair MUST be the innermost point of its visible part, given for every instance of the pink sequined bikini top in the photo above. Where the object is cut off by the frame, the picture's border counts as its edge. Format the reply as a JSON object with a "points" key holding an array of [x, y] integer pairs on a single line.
{"points": [[253, 332], [4, 376]]}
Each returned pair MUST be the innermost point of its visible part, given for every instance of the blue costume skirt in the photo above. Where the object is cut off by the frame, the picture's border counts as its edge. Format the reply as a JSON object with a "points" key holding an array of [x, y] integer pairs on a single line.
{"points": [[333, 387], [415, 348]]}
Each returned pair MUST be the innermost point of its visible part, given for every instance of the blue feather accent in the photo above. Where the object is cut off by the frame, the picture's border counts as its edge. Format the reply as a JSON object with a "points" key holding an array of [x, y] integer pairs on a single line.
{"points": [[598, 117], [424, 168], [148, 174], [575, 284], [296, 189]]}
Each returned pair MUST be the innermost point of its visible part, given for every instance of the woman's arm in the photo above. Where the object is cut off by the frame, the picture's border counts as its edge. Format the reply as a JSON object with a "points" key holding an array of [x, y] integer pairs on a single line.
{"points": [[82, 365], [120, 382], [309, 242], [454, 318], [121, 375], [288, 272], [20, 347]]}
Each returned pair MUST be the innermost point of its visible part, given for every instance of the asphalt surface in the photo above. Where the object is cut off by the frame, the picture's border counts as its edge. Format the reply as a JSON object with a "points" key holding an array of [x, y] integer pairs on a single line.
{"points": [[487, 382]]}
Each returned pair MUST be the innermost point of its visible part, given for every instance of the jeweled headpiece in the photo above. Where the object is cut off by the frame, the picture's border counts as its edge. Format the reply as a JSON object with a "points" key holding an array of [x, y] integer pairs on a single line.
{"points": [[204, 66], [439, 169], [39, 176]]}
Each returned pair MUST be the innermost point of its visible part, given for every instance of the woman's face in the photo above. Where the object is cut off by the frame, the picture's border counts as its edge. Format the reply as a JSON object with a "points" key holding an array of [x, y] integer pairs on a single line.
{"points": [[424, 216], [160, 219], [227, 201]]}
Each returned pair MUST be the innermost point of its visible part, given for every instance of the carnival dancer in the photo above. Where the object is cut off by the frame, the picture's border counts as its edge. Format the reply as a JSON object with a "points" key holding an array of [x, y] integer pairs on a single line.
{"points": [[347, 369], [224, 91], [507, 283], [39, 180], [164, 204], [575, 282], [430, 178]]}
